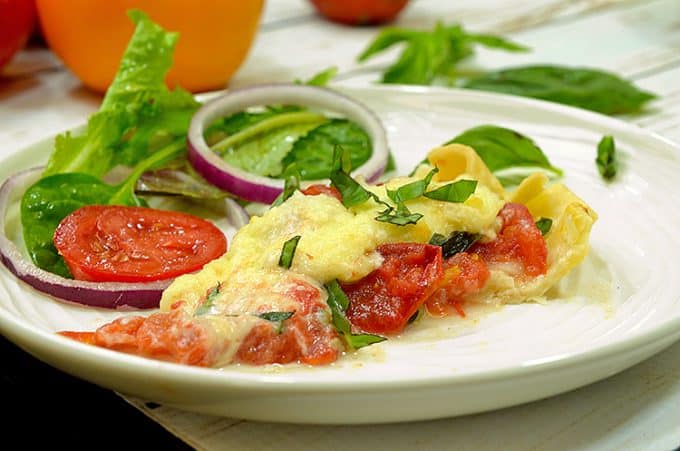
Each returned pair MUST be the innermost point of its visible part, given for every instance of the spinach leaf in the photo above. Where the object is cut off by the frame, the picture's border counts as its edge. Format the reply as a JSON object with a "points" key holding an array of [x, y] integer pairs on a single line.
{"points": [[430, 55], [233, 123], [606, 160], [338, 303], [591, 89], [46, 203], [313, 153], [501, 148]]}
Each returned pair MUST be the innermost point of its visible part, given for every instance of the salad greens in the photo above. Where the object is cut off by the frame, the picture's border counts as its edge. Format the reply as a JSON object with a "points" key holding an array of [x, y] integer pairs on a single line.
{"points": [[140, 124], [432, 57], [266, 142]]}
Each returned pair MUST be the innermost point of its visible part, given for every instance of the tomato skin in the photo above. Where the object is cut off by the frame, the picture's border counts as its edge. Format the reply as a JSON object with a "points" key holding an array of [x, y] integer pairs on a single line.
{"points": [[359, 12], [135, 244], [17, 22], [519, 241], [384, 301]]}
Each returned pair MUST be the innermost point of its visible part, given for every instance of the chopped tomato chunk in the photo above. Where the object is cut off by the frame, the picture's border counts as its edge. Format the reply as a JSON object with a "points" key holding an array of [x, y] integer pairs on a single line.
{"points": [[464, 274], [315, 190], [384, 301], [306, 337], [519, 241]]}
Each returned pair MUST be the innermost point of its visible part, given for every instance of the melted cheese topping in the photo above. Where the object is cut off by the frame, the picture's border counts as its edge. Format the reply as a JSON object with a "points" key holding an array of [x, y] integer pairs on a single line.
{"points": [[340, 243]]}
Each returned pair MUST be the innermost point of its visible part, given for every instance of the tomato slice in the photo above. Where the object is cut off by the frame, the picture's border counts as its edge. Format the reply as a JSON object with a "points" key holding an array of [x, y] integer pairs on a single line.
{"points": [[384, 301], [135, 244], [519, 241]]}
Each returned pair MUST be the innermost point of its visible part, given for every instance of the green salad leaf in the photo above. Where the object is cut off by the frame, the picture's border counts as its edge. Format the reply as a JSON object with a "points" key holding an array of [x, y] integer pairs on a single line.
{"points": [[587, 88], [137, 109], [140, 124]]}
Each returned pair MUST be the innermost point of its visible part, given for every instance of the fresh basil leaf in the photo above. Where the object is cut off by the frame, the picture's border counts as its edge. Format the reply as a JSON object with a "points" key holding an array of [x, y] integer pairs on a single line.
{"points": [[458, 191], [313, 153], [401, 216], [351, 191], [429, 55], [455, 243], [291, 184], [208, 303], [502, 148], [275, 316], [338, 303], [544, 225], [606, 160], [587, 88], [288, 252], [411, 190]]}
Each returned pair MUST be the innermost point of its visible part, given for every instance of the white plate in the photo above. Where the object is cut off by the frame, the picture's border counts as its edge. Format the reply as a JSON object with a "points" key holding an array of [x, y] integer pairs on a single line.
{"points": [[623, 307]]}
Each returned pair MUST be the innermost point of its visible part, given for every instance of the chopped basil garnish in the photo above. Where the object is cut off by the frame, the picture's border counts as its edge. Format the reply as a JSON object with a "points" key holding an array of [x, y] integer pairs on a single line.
{"points": [[455, 243], [291, 184], [338, 302], [606, 161], [411, 190], [277, 318], [544, 225], [209, 302], [401, 216], [458, 191], [288, 252]]}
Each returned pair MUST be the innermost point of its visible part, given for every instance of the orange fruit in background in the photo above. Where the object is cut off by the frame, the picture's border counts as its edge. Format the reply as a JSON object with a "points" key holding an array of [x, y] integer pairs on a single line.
{"points": [[90, 37]]}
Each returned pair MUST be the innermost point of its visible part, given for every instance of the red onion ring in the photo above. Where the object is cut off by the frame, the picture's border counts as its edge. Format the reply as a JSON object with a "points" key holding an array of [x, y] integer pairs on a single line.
{"points": [[235, 213], [110, 295], [263, 189]]}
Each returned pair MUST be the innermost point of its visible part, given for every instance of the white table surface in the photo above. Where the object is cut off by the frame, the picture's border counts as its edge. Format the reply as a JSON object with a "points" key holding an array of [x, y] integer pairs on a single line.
{"points": [[638, 409]]}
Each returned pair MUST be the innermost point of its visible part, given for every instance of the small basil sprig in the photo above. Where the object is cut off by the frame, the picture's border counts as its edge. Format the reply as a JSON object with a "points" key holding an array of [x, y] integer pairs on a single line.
{"points": [[544, 225], [455, 243], [430, 55], [290, 185], [338, 303], [586, 88], [288, 252], [606, 160], [277, 318], [209, 301], [354, 194]]}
